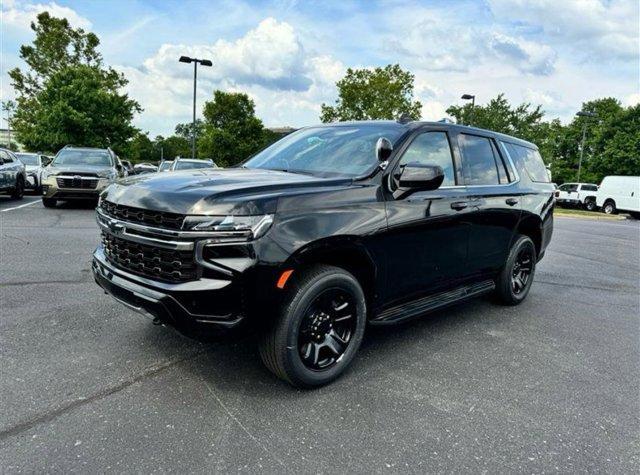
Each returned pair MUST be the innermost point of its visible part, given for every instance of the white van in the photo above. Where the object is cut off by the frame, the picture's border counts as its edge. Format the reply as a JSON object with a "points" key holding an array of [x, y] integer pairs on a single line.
{"points": [[619, 193]]}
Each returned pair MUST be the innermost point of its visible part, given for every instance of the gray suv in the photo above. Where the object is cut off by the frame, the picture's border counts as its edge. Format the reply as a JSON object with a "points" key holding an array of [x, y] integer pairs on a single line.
{"points": [[12, 174], [79, 174]]}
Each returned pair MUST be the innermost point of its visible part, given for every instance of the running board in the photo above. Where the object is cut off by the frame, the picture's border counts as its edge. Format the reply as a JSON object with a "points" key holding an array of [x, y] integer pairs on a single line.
{"points": [[432, 302]]}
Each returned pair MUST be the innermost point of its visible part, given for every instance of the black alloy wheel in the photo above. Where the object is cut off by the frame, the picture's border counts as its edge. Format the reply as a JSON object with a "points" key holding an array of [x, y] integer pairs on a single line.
{"points": [[327, 329], [522, 270], [515, 279], [319, 328]]}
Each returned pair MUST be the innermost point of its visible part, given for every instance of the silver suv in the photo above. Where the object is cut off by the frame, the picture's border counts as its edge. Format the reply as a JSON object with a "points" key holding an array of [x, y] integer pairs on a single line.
{"points": [[79, 174]]}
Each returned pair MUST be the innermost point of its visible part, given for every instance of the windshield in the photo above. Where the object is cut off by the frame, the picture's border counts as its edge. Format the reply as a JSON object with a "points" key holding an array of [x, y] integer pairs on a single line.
{"points": [[92, 158], [28, 158], [164, 166], [340, 150], [184, 165]]}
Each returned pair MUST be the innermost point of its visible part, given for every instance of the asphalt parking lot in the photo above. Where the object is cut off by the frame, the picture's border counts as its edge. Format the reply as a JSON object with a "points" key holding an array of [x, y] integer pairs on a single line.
{"points": [[551, 385]]}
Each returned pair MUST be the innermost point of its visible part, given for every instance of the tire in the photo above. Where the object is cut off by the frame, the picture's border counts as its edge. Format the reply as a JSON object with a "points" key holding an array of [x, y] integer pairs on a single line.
{"points": [[514, 282], [301, 347], [590, 205], [609, 207], [18, 191], [49, 202]]}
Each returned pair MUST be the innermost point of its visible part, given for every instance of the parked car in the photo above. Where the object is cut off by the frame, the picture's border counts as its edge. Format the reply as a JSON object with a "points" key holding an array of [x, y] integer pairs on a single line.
{"points": [[329, 229], [141, 168], [128, 167], [79, 174], [582, 195], [165, 165], [619, 193], [13, 176], [34, 163], [191, 164]]}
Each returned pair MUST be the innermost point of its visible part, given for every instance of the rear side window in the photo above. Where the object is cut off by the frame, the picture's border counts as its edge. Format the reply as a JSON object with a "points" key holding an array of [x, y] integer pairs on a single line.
{"points": [[479, 160], [529, 161]]}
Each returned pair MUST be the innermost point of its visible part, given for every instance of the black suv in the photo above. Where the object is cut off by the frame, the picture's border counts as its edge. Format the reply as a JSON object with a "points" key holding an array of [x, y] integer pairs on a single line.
{"points": [[329, 229]]}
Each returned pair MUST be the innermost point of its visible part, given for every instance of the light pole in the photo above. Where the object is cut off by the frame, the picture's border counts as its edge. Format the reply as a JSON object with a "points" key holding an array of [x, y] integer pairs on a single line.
{"points": [[585, 114], [195, 61], [471, 97]]}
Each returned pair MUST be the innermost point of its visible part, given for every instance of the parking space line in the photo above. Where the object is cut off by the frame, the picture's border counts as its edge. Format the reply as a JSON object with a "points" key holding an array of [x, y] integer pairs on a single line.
{"points": [[21, 206]]}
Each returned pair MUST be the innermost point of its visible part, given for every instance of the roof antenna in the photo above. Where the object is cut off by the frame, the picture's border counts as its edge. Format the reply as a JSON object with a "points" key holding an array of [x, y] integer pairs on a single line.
{"points": [[405, 118]]}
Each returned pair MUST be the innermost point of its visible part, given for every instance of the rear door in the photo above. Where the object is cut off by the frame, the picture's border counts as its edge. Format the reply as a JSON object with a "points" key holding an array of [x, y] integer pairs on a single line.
{"points": [[426, 241], [494, 200]]}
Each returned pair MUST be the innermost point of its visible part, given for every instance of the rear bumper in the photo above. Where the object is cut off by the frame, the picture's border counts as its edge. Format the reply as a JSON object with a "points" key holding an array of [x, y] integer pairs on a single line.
{"points": [[205, 304]]}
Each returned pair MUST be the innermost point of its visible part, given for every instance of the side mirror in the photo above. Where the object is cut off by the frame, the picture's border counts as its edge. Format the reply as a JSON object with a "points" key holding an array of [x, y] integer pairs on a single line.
{"points": [[418, 177], [384, 147]]}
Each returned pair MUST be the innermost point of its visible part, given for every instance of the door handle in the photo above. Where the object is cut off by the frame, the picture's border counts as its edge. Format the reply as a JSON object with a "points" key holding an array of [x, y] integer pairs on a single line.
{"points": [[511, 201], [459, 205]]}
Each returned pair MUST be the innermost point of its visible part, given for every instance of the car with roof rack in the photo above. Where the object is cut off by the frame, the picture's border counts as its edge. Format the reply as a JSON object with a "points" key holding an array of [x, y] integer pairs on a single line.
{"points": [[329, 230]]}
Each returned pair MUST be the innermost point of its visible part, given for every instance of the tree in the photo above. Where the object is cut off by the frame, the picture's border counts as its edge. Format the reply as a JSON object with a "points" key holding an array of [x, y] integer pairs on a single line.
{"points": [[141, 149], [172, 147], [232, 132], [186, 130], [381, 93], [78, 105], [67, 95]]}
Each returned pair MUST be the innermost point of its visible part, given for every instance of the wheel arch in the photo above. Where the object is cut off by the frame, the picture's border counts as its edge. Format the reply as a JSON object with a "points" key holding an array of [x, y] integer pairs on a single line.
{"points": [[531, 226], [346, 252]]}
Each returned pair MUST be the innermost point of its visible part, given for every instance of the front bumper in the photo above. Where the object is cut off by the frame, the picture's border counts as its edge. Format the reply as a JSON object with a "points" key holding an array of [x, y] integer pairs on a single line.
{"points": [[50, 189], [197, 305]]}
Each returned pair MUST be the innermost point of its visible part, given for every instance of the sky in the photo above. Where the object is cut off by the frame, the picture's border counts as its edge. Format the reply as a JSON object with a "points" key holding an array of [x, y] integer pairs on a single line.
{"points": [[287, 55]]}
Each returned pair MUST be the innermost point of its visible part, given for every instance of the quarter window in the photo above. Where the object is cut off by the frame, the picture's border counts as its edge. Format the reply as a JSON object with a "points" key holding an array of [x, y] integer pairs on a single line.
{"points": [[432, 148], [479, 159], [529, 161]]}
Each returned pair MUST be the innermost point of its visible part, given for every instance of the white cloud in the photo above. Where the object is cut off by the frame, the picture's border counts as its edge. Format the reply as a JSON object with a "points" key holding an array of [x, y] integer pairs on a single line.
{"points": [[602, 29], [269, 63], [525, 55], [270, 55], [633, 99], [19, 14]]}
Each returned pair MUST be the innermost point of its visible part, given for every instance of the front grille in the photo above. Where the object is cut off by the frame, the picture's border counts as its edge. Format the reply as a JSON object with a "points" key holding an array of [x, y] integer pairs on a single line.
{"points": [[149, 261], [87, 184], [158, 219]]}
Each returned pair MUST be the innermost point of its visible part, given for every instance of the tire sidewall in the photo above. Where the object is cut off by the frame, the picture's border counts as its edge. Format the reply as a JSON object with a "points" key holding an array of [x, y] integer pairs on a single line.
{"points": [[507, 288], [297, 309], [609, 206]]}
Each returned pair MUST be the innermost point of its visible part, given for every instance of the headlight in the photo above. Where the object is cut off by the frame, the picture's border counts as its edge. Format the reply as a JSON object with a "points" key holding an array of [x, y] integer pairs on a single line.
{"points": [[110, 174], [234, 227], [46, 174]]}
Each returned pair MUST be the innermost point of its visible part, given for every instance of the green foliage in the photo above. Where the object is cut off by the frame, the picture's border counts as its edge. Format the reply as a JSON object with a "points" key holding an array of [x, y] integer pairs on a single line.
{"points": [[172, 147], [186, 130], [381, 93], [140, 149], [78, 105], [67, 96], [232, 132]]}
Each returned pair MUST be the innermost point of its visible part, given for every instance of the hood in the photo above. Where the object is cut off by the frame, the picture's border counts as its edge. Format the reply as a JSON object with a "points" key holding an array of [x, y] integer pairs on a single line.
{"points": [[32, 168], [239, 191], [62, 169]]}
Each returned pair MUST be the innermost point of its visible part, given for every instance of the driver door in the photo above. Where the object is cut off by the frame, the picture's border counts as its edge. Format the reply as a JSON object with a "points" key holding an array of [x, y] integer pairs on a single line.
{"points": [[427, 235]]}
